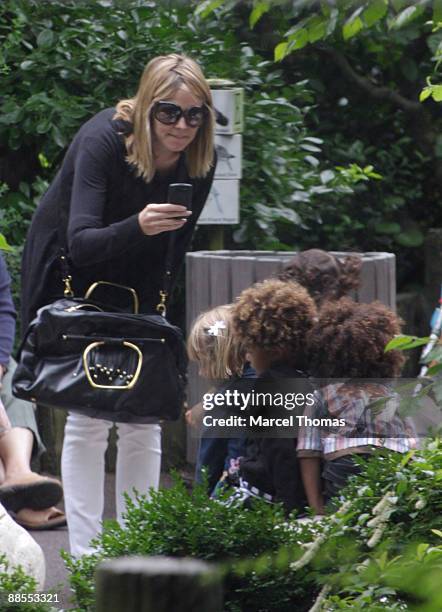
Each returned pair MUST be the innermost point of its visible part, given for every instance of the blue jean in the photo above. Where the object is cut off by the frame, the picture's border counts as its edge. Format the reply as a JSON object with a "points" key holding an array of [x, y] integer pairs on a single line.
{"points": [[214, 455]]}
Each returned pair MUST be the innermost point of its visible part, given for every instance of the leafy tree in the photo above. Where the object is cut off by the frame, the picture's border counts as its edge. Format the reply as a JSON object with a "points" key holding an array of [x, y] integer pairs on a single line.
{"points": [[62, 62], [368, 64]]}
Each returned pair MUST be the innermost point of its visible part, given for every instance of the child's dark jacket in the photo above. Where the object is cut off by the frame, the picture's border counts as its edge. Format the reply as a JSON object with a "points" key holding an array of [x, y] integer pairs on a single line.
{"points": [[270, 464]]}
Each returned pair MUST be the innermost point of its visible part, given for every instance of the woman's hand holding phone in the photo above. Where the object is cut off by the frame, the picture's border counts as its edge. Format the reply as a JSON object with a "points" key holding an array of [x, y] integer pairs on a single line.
{"points": [[157, 218]]}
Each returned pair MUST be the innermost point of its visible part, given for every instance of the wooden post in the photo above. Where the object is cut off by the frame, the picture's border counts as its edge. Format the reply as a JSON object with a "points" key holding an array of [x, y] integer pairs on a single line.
{"points": [[216, 240], [157, 584]]}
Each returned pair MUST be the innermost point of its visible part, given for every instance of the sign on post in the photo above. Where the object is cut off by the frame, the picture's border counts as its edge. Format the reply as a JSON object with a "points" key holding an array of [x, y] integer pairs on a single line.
{"points": [[222, 206]]}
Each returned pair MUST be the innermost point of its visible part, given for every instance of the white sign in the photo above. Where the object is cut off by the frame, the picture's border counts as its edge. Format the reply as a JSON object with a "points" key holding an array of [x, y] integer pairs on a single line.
{"points": [[222, 206], [228, 150], [230, 105]]}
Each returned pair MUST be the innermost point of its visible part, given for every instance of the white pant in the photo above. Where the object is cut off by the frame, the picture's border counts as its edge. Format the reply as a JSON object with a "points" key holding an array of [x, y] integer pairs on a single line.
{"points": [[82, 469]]}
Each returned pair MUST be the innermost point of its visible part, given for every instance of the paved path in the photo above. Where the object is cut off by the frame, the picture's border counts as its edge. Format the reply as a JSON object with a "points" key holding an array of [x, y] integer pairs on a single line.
{"points": [[54, 540]]}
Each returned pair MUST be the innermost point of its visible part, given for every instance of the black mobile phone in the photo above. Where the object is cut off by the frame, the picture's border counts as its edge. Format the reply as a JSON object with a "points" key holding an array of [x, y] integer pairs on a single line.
{"points": [[180, 193]]}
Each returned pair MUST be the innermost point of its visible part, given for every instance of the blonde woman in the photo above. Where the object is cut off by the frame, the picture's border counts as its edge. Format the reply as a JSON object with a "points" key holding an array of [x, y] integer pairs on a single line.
{"points": [[108, 208]]}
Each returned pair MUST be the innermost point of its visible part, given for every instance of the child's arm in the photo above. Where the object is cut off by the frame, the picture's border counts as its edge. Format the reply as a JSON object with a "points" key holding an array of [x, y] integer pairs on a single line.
{"points": [[194, 415], [309, 451], [311, 478]]}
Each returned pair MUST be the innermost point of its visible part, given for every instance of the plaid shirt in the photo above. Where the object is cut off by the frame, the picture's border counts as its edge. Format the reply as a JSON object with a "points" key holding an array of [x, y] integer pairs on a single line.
{"points": [[366, 425]]}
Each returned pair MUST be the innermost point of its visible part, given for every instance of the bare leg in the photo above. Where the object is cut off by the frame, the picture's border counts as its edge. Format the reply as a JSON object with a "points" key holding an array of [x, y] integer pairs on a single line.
{"points": [[15, 453], [21, 487]]}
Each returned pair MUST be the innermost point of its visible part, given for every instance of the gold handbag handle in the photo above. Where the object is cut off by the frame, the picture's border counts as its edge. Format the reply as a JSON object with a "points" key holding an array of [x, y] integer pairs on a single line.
{"points": [[130, 289], [131, 379]]}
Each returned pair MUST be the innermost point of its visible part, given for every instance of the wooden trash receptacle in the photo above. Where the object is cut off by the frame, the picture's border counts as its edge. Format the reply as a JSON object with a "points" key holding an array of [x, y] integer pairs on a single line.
{"points": [[218, 277]]}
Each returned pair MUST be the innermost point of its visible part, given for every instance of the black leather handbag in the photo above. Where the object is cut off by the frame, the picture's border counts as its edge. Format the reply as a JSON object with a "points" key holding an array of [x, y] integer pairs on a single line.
{"points": [[81, 356]]}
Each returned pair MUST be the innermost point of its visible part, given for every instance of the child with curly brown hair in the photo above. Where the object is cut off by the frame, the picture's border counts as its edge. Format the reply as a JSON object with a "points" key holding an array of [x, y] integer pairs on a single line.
{"points": [[348, 343], [325, 276], [272, 319], [220, 355]]}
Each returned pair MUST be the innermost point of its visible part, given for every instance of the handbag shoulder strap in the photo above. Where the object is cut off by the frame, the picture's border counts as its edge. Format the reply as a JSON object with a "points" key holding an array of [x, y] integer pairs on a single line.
{"points": [[161, 307], [182, 177]]}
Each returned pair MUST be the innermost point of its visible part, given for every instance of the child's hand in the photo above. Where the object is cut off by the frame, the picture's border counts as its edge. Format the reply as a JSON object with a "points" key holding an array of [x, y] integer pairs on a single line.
{"points": [[194, 415]]}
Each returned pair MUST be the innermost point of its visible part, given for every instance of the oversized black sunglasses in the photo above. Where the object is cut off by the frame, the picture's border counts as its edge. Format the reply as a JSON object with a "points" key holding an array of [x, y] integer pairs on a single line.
{"points": [[170, 113]]}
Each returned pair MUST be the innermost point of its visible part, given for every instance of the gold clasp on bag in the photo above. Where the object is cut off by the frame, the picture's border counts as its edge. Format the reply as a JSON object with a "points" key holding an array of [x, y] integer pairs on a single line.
{"points": [[136, 303], [131, 379], [67, 286], [161, 306]]}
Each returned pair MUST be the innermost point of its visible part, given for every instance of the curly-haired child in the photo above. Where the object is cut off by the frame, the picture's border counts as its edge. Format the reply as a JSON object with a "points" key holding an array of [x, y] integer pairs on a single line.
{"points": [[220, 355], [348, 343], [272, 319], [325, 276]]}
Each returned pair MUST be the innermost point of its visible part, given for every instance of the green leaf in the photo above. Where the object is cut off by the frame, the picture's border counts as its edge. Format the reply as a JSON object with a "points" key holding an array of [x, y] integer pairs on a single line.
{"points": [[259, 10], [410, 238], [280, 51], [312, 160], [387, 227], [376, 10], [425, 93], [205, 8], [332, 21], [437, 532], [317, 29], [436, 93], [4, 244], [314, 139], [405, 17], [25, 189], [58, 137], [26, 65], [45, 38], [403, 342], [353, 25], [326, 176], [298, 40]]}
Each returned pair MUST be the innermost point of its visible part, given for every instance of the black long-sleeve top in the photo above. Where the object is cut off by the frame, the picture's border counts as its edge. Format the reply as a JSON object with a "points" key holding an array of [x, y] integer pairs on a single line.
{"points": [[7, 315], [92, 207]]}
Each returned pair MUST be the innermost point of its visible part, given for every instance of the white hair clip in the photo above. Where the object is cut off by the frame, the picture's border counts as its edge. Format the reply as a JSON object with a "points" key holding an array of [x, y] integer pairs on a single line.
{"points": [[215, 329]]}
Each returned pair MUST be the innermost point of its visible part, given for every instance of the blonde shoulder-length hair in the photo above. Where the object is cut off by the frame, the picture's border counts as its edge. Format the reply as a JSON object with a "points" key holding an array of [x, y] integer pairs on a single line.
{"points": [[212, 343], [161, 78]]}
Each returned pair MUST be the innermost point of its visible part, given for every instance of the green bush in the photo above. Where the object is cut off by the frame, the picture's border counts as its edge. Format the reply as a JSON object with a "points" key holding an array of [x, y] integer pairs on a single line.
{"points": [[270, 565], [13, 580], [399, 569], [178, 523]]}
